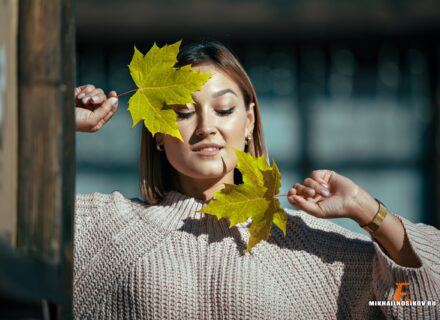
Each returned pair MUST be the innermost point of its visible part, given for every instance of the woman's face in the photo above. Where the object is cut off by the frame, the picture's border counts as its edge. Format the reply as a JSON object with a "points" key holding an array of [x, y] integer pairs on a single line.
{"points": [[211, 127]]}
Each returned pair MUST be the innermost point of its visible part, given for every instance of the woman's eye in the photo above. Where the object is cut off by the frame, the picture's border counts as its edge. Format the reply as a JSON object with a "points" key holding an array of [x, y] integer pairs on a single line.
{"points": [[225, 112], [220, 112], [183, 115]]}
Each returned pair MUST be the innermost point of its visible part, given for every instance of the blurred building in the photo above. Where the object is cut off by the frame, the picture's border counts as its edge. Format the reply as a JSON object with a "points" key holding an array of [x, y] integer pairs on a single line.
{"points": [[353, 84]]}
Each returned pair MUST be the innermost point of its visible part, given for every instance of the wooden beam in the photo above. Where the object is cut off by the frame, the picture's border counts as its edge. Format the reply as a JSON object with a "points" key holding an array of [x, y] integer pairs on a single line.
{"points": [[252, 19]]}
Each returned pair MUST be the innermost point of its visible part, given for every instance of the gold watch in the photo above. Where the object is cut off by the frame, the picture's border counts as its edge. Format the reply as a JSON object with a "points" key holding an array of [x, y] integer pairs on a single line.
{"points": [[377, 220]]}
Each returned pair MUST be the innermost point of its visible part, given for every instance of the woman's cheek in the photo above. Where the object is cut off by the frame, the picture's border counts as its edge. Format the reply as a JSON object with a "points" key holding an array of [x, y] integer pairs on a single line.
{"points": [[234, 132], [187, 128]]}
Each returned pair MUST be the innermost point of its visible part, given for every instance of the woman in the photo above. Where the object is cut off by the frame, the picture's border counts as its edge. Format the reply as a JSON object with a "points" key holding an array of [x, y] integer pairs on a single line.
{"points": [[160, 259]]}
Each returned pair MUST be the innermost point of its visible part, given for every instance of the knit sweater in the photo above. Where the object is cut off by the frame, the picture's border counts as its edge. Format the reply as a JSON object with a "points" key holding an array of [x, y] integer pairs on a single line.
{"points": [[166, 261]]}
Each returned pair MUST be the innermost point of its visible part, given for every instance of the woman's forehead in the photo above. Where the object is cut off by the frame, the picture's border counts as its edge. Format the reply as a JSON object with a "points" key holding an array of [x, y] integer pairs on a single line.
{"points": [[218, 85]]}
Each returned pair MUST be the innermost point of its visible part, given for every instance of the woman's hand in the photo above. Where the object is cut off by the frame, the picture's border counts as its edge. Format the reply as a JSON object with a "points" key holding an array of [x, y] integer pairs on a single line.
{"points": [[93, 108], [326, 194]]}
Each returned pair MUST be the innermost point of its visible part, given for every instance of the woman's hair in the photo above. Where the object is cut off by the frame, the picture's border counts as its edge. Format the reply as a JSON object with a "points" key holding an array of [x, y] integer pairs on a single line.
{"points": [[157, 176]]}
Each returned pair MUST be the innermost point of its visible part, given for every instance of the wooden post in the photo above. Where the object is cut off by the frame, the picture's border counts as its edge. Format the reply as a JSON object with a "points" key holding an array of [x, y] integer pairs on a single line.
{"points": [[42, 259], [8, 121]]}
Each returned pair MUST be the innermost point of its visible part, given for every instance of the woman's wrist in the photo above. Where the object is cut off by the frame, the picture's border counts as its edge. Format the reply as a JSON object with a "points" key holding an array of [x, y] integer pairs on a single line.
{"points": [[365, 208]]}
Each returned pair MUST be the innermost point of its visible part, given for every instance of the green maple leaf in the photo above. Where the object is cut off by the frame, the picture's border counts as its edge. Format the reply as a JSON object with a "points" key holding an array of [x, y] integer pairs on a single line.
{"points": [[161, 85], [255, 198]]}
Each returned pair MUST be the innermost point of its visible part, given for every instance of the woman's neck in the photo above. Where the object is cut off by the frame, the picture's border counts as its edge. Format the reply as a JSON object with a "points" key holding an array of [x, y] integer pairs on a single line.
{"points": [[203, 188]]}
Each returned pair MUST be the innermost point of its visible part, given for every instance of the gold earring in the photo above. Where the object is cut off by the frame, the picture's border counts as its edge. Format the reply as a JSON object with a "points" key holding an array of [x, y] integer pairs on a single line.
{"points": [[160, 147], [248, 139]]}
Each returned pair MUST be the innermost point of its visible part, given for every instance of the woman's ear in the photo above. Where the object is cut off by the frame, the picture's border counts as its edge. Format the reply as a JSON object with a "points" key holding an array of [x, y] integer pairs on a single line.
{"points": [[250, 119]]}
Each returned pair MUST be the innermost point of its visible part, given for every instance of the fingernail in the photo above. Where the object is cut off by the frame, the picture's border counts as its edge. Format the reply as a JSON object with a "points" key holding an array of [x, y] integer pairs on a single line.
{"points": [[113, 101], [81, 95], [325, 192], [311, 192], [85, 100], [95, 98]]}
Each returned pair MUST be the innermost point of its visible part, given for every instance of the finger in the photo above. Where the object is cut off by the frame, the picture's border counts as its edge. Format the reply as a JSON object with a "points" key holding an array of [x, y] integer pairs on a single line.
{"points": [[115, 105], [291, 192], [108, 117], [85, 89], [314, 199], [303, 190], [114, 94], [319, 189], [85, 86], [323, 176], [292, 201], [102, 122], [307, 206], [101, 112], [95, 96], [320, 175], [98, 126], [323, 183]]}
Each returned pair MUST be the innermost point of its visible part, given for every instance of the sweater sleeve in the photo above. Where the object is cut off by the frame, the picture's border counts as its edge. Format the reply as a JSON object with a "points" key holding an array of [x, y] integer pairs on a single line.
{"points": [[391, 280]]}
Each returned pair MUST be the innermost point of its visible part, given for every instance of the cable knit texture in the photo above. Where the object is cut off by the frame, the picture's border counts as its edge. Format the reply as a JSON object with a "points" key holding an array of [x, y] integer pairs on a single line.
{"points": [[136, 261]]}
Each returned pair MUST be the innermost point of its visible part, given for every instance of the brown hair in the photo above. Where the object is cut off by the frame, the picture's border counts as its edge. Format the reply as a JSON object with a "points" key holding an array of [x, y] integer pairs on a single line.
{"points": [[157, 176]]}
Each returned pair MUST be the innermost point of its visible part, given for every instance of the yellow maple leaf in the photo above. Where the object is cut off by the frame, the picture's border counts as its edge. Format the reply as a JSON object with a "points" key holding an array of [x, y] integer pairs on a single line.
{"points": [[255, 198], [161, 85]]}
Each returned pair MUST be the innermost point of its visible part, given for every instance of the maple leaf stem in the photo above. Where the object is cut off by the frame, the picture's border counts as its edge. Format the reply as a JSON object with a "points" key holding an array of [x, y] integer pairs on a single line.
{"points": [[126, 92], [280, 195]]}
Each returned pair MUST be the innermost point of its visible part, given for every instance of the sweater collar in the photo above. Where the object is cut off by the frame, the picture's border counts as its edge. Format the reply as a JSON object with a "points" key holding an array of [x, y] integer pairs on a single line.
{"points": [[181, 202], [178, 211]]}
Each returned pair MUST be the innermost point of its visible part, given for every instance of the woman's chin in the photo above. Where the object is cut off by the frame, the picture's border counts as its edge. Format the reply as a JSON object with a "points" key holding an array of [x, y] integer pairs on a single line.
{"points": [[212, 172], [209, 175]]}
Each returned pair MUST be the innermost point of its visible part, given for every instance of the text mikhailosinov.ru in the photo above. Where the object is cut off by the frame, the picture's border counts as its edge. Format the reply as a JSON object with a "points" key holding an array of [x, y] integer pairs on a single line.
{"points": [[402, 303]]}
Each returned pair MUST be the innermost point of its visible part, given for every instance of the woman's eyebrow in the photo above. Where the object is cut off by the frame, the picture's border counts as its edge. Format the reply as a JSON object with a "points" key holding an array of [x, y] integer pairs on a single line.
{"points": [[222, 92]]}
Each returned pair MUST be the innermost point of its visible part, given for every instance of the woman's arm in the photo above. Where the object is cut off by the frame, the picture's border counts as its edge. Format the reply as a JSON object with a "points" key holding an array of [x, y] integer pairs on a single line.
{"points": [[405, 267], [327, 194], [390, 235]]}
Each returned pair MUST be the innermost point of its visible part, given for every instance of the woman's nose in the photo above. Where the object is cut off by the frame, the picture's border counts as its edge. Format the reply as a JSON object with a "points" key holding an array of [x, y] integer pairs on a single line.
{"points": [[205, 125]]}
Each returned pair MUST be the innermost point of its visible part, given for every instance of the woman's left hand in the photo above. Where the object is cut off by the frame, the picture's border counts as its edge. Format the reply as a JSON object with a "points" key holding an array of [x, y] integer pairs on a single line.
{"points": [[326, 194]]}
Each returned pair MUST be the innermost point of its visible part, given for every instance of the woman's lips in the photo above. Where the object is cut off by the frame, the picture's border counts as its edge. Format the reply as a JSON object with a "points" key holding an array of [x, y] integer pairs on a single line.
{"points": [[208, 151]]}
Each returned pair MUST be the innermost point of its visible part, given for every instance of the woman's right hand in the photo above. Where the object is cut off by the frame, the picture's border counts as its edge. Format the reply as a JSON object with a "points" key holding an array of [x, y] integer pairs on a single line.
{"points": [[93, 108]]}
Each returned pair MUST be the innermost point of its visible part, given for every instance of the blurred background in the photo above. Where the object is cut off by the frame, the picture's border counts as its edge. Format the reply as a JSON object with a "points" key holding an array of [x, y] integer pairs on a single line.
{"points": [[351, 86]]}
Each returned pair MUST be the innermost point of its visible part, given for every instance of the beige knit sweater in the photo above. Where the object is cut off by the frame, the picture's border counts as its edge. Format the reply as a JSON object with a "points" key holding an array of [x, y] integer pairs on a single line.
{"points": [[135, 261]]}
